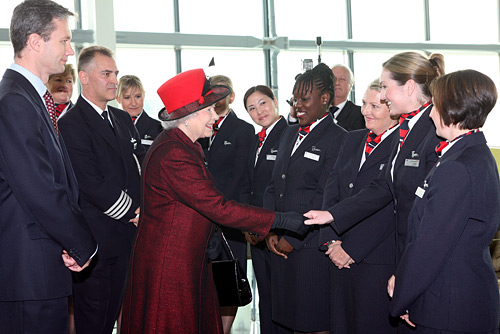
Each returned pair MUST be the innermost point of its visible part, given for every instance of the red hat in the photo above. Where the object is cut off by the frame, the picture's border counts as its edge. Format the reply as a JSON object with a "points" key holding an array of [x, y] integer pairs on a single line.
{"points": [[188, 92]]}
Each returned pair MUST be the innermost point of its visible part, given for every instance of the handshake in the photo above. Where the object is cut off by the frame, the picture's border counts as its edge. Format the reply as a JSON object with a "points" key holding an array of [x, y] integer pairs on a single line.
{"points": [[291, 221]]}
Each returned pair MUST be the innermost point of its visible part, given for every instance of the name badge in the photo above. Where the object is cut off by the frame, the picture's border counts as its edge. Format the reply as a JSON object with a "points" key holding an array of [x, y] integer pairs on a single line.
{"points": [[146, 141], [134, 142], [412, 163], [311, 156], [271, 157], [420, 192]]}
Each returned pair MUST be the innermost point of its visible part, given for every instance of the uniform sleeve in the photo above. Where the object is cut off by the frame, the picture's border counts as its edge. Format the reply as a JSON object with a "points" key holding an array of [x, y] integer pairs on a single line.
{"points": [[369, 200], [440, 226], [107, 197], [179, 168]]}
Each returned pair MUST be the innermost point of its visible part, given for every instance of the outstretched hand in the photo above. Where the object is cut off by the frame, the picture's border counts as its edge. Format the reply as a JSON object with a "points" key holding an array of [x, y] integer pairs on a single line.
{"points": [[317, 217]]}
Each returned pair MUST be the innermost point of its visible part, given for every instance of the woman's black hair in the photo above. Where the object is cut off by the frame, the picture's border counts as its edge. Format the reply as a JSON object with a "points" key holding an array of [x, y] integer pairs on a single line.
{"points": [[320, 77]]}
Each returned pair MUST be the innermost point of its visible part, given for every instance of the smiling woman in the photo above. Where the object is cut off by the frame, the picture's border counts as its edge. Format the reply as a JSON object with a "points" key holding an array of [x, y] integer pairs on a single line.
{"points": [[61, 87], [305, 157]]}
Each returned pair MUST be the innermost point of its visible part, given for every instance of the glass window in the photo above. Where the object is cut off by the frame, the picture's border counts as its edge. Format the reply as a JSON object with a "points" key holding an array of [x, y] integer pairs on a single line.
{"points": [[388, 20], [305, 20], [6, 55], [153, 66], [488, 64], [471, 22], [244, 68], [144, 15], [6, 12], [222, 17], [367, 67]]}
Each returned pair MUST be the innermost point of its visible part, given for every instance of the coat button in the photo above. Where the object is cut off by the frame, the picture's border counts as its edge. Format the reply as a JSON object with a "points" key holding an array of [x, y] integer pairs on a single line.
{"points": [[251, 193], [283, 176], [281, 195], [351, 185]]}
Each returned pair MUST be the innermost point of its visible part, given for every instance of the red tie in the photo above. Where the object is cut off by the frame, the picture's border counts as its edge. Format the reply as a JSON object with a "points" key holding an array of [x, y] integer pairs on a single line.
{"points": [[215, 127], [304, 130], [262, 136], [372, 140], [134, 118], [404, 128], [60, 108], [49, 102]]}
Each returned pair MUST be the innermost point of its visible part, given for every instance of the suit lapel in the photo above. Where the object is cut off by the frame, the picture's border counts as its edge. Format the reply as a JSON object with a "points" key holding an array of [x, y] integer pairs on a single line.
{"points": [[33, 94], [96, 122], [312, 137], [271, 140], [416, 135], [380, 152], [225, 131]]}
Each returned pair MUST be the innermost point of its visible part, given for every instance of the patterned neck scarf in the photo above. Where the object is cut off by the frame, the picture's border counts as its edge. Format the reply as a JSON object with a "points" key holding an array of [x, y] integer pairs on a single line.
{"points": [[405, 119]]}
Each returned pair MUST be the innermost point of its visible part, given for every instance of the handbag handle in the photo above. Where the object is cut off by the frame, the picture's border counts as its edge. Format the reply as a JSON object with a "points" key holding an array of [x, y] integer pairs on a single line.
{"points": [[227, 245]]}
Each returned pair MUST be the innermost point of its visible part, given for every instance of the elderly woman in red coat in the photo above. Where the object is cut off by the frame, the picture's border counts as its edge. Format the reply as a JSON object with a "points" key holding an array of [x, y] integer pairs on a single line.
{"points": [[170, 288]]}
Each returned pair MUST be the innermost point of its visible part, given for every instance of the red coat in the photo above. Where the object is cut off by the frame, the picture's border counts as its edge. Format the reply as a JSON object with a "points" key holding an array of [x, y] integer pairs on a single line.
{"points": [[170, 287]]}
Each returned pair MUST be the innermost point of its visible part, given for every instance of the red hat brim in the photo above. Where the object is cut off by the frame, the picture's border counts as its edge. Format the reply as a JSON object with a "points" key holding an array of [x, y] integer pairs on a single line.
{"points": [[216, 93]]}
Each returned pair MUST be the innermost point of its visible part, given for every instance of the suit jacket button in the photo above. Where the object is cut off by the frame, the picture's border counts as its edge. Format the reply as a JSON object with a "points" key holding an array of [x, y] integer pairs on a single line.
{"points": [[251, 193], [281, 195], [351, 185], [283, 176]]}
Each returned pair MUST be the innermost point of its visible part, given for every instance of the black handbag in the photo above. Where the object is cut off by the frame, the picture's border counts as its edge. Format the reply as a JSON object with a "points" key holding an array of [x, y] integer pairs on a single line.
{"points": [[233, 288]]}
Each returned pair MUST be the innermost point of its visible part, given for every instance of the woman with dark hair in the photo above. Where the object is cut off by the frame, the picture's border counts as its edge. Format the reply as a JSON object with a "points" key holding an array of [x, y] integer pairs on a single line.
{"points": [[358, 299], [170, 287], [306, 155], [405, 82], [445, 281], [262, 107]]}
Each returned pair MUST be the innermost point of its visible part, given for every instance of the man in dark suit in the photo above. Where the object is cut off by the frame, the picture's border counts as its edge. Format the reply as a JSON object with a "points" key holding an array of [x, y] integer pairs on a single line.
{"points": [[347, 114], [105, 149], [43, 231], [227, 155]]}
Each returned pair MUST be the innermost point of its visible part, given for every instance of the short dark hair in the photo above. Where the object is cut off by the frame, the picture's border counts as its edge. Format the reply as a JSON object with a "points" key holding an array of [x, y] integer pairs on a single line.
{"points": [[259, 88], [88, 54], [464, 98], [321, 77], [34, 17]]}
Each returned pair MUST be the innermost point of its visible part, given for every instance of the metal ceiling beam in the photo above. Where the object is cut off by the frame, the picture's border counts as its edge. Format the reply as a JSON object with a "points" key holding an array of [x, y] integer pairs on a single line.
{"points": [[281, 43]]}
